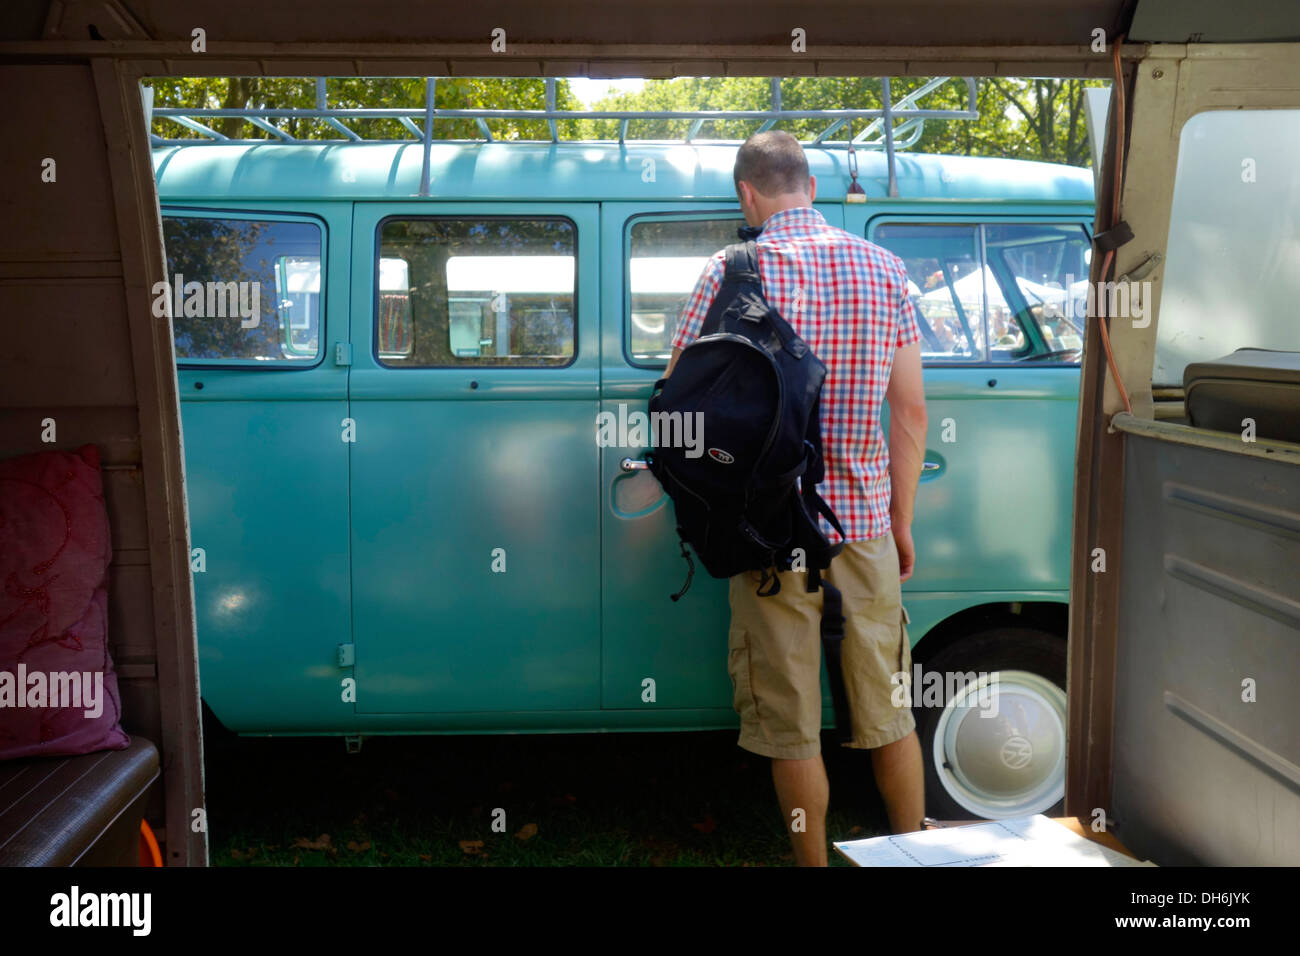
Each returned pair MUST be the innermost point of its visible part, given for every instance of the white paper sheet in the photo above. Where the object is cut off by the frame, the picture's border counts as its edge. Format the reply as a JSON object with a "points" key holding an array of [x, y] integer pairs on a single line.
{"points": [[1022, 841]]}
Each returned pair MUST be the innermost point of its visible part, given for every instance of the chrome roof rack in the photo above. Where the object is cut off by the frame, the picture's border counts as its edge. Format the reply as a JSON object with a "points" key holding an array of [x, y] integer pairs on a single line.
{"points": [[882, 132]]}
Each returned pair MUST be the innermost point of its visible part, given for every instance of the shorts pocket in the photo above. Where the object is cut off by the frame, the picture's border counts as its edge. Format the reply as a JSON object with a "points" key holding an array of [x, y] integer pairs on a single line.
{"points": [[742, 694], [905, 645]]}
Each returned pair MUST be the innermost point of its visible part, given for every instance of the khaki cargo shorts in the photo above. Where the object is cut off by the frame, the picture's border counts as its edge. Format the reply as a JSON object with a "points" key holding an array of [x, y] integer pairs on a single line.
{"points": [[775, 655]]}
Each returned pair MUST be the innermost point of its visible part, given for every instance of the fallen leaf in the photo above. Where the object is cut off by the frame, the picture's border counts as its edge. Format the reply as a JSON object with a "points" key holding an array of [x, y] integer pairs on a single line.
{"points": [[471, 847], [426, 857], [708, 826], [527, 831], [662, 852], [322, 842], [356, 847]]}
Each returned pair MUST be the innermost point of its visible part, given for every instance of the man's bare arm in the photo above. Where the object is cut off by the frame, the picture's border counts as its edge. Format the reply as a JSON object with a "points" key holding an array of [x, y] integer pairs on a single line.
{"points": [[672, 361], [907, 427]]}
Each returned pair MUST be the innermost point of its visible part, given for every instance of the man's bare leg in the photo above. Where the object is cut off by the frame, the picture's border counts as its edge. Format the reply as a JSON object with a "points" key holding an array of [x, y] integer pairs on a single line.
{"points": [[900, 778], [802, 785]]}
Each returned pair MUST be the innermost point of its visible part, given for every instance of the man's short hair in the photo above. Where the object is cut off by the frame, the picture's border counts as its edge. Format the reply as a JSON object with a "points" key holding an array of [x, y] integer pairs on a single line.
{"points": [[772, 162]]}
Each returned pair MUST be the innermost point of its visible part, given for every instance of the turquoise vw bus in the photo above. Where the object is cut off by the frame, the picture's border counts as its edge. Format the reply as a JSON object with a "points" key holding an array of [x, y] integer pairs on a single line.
{"points": [[401, 521]]}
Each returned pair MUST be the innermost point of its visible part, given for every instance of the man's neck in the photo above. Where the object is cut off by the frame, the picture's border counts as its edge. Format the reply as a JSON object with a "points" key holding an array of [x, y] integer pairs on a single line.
{"points": [[799, 202]]}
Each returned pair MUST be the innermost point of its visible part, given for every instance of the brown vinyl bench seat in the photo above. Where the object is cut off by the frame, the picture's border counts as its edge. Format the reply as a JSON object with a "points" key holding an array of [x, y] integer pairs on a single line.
{"points": [[76, 811]]}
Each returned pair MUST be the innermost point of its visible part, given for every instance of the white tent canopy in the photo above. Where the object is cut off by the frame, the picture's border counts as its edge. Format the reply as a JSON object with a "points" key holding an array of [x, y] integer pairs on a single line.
{"points": [[510, 274], [971, 290], [665, 275]]}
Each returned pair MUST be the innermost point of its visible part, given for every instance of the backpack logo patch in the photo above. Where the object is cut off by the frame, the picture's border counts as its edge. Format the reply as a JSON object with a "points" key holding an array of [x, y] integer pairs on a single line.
{"points": [[724, 457]]}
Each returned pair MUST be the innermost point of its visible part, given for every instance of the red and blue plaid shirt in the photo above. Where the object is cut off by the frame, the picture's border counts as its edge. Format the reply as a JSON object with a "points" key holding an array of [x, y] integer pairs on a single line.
{"points": [[847, 298]]}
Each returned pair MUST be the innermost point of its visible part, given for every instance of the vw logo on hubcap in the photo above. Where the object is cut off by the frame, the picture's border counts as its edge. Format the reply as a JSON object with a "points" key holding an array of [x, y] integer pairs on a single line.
{"points": [[1016, 752]]}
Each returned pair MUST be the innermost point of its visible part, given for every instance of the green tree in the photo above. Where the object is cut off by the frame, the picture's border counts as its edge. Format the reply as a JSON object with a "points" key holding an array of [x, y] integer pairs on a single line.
{"points": [[1018, 118], [265, 92], [1051, 111]]}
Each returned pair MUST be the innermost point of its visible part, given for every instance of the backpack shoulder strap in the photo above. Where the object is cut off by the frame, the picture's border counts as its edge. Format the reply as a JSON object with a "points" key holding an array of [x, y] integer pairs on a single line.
{"points": [[740, 277], [742, 263], [832, 635], [811, 478]]}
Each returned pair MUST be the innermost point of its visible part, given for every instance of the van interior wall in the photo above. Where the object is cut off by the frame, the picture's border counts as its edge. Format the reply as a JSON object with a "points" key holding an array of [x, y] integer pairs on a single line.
{"points": [[1198, 772], [84, 362]]}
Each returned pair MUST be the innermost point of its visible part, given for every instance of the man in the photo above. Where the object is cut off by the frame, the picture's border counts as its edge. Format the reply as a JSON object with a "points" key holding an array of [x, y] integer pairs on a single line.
{"points": [[848, 299]]}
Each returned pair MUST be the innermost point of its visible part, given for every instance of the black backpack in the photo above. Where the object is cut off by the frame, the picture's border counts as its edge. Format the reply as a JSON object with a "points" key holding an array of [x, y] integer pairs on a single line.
{"points": [[756, 385]]}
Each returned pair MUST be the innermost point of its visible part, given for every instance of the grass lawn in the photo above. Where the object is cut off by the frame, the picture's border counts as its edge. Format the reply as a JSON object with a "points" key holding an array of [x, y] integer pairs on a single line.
{"points": [[627, 799]]}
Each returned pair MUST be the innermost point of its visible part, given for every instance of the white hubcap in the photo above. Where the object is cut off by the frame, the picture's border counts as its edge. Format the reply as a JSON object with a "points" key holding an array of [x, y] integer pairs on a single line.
{"points": [[999, 747]]}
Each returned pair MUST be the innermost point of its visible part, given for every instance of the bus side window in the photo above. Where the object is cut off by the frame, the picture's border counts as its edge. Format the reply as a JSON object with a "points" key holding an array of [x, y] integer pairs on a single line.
{"points": [[1026, 300], [243, 291], [945, 284], [489, 291], [665, 259], [1041, 282]]}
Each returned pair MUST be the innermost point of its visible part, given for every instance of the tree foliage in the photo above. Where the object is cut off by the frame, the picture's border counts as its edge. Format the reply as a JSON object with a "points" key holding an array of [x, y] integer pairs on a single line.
{"points": [[258, 92], [1022, 118], [1019, 118], [206, 250]]}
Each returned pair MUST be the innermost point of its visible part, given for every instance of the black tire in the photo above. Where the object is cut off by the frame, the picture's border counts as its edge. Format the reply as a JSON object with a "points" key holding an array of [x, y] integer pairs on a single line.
{"points": [[218, 741], [997, 649]]}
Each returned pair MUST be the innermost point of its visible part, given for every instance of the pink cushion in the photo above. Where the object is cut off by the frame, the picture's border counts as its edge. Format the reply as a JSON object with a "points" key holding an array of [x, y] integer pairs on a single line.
{"points": [[54, 554]]}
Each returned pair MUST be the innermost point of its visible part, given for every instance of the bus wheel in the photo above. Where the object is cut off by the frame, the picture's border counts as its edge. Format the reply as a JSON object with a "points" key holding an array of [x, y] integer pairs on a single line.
{"points": [[218, 741], [993, 736]]}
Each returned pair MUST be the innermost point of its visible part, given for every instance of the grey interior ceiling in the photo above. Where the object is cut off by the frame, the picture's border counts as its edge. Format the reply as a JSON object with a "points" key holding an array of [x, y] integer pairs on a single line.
{"points": [[681, 22], [1213, 21], [688, 23]]}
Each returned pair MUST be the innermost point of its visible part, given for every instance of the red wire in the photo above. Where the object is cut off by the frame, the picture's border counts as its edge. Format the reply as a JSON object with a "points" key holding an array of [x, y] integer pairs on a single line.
{"points": [[150, 845]]}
